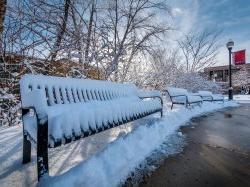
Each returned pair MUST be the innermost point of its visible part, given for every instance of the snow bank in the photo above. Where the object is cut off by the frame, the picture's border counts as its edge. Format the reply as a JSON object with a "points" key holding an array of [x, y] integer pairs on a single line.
{"points": [[112, 166], [242, 98]]}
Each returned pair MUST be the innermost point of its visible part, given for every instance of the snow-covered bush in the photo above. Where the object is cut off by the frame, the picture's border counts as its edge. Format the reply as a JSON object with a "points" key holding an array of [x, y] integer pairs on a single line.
{"points": [[164, 68], [240, 80], [9, 108], [194, 82]]}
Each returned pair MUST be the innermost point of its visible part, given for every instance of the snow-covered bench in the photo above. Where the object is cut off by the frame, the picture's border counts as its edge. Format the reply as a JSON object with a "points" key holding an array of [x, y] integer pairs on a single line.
{"points": [[209, 96], [182, 97], [58, 110], [218, 97]]}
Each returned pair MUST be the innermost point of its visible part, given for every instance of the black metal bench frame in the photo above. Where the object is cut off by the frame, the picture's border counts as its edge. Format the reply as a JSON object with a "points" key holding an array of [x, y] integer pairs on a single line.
{"points": [[210, 100], [205, 98], [187, 103], [42, 137], [219, 100]]}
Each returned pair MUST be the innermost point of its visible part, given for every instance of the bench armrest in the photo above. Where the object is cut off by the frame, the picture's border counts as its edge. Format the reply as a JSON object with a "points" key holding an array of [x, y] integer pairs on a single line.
{"points": [[173, 96], [150, 94], [177, 95], [205, 96], [218, 97], [36, 100]]}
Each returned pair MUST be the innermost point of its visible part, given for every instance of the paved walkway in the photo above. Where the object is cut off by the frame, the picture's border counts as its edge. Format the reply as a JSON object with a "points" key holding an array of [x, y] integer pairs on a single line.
{"points": [[217, 154]]}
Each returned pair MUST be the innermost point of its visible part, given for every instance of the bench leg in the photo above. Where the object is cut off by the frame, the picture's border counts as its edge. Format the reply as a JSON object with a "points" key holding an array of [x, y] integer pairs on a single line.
{"points": [[26, 142], [200, 103], [26, 149], [42, 150]]}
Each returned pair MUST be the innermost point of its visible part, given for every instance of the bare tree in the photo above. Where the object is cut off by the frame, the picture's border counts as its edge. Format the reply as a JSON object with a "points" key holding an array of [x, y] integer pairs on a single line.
{"points": [[107, 34], [61, 30], [115, 37], [131, 28], [200, 49]]}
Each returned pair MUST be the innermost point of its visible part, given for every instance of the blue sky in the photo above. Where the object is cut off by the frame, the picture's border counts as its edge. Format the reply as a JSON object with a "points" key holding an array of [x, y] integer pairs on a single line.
{"points": [[233, 16]]}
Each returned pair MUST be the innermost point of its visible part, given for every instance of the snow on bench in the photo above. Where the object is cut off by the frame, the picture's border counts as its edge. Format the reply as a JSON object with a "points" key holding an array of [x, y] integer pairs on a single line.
{"points": [[209, 96], [182, 97], [218, 97], [67, 109], [206, 95]]}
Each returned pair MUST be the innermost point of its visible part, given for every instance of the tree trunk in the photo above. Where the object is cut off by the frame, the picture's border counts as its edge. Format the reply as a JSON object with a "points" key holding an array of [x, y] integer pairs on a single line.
{"points": [[89, 33], [77, 35], [115, 40], [61, 31], [3, 4]]}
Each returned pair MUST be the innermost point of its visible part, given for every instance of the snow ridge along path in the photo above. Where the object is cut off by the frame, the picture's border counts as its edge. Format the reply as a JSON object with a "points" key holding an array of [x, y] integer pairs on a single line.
{"points": [[112, 165]]}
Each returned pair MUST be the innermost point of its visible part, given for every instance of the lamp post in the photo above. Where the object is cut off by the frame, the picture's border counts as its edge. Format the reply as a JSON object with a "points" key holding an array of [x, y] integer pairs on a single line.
{"points": [[230, 45]]}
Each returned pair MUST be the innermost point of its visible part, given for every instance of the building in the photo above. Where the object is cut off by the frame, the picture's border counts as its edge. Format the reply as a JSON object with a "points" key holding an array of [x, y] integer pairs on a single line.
{"points": [[240, 76]]}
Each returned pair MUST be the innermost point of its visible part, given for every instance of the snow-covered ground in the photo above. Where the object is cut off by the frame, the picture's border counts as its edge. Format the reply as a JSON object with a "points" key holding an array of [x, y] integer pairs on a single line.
{"points": [[242, 98], [105, 159]]}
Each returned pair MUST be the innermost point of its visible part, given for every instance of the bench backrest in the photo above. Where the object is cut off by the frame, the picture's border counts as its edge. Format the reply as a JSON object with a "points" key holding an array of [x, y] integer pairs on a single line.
{"points": [[205, 93], [62, 90], [176, 91]]}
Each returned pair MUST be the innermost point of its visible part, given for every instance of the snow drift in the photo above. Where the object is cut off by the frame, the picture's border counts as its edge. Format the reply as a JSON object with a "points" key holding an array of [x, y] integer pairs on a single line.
{"points": [[112, 166]]}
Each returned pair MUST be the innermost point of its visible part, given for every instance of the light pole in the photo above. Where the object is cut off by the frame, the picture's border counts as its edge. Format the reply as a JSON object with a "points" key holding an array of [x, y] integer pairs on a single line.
{"points": [[230, 45]]}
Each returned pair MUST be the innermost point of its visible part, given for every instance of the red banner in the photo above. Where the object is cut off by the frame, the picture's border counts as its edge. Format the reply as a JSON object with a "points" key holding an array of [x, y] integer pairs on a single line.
{"points": [[239, 57]]}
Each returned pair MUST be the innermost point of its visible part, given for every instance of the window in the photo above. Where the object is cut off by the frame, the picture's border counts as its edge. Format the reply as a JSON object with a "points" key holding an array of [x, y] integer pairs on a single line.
{"points": [[226, 72], [211, 74]]}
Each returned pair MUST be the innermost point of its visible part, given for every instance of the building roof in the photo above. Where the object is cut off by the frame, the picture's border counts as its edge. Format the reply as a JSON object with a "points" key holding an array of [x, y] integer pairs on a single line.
{"points": [[225, 67]]}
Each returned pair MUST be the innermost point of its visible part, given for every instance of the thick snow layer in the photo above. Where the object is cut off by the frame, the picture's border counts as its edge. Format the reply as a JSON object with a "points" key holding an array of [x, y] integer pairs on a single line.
{"points": [[112, 166], [61, 90], [242, 98], [106, 158], [181, 95], [190, 98], [205, 93], [217, 97], [63, 120], [176, 91], [146, 93]]}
